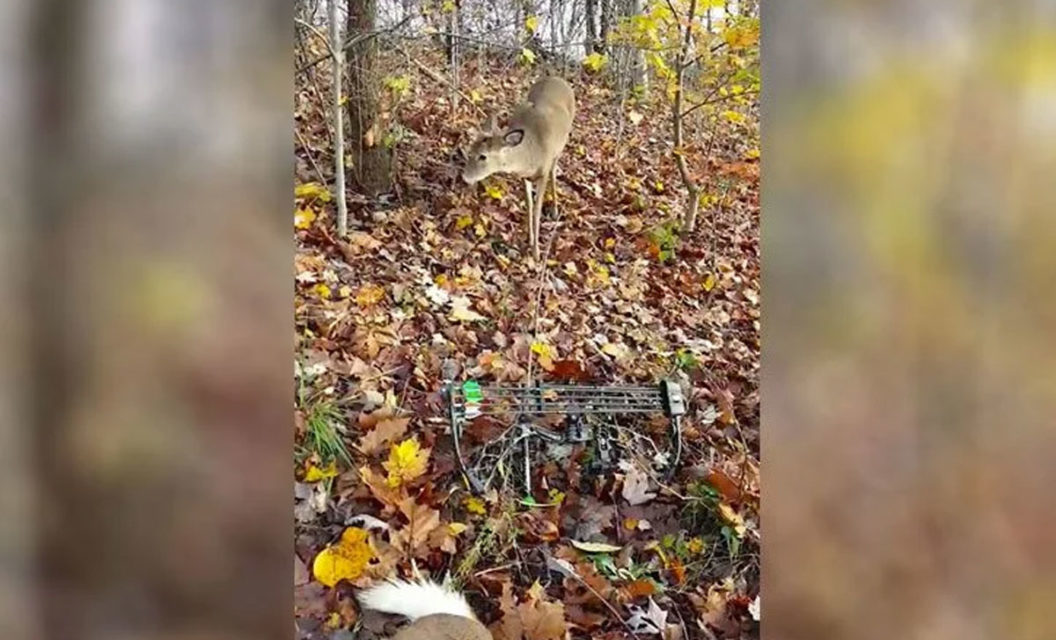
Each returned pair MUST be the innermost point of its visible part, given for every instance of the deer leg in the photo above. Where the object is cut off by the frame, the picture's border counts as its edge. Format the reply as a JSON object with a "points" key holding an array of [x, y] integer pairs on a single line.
{"points": [[553, 183], [531, 213], [537, 222]]}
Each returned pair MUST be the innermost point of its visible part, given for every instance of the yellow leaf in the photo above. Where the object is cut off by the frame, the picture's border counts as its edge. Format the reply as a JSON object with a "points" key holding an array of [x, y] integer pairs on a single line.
{"points": [[334, 620], [527, 57], [344, 291], [733, 116], [709, 282], [456, 528], [610, 243], [479, 230], [344, 560], [315, 474], [493, 190], [595, 62], [448, 6], [321, 290], [531, 23], [542, 349], [303, 218], [369, 295], [463, 222], [733, 518], [475, 505], [407, 461], [696, 545], [475, 96], [311, 190], [752, 154]]}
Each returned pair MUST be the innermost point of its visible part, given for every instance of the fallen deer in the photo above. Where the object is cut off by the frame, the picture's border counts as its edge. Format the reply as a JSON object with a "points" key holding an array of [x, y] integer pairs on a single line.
{"points": [[528, 147]]}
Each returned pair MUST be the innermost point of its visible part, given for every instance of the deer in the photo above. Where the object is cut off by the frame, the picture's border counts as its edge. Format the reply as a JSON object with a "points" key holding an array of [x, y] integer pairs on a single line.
{"points": [[528, 147]]}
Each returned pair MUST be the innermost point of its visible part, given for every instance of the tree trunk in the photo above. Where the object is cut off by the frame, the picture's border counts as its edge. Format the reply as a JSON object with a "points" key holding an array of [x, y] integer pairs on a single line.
{"points": [[638, 75], [689, 221], [373, 160], [339, 131], [606, 24], [591, 27]]}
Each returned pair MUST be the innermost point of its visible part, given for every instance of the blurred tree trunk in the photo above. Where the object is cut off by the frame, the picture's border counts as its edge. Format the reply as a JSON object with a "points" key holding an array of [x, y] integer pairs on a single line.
{"points": [[372, 160], [591, 28], [638, 75], [606, 24]]}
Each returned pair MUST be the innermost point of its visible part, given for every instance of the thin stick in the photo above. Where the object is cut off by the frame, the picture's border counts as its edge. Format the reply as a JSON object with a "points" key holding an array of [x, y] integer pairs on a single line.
{"points": [[442, 80]]}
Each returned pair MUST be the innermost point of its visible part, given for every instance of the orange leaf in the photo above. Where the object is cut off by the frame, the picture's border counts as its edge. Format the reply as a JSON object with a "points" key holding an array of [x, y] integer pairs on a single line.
{"points": [[640, 588]]}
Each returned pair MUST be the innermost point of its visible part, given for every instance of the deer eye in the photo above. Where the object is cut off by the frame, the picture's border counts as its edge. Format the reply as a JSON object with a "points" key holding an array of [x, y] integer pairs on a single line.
{"points": [[482, 157]]}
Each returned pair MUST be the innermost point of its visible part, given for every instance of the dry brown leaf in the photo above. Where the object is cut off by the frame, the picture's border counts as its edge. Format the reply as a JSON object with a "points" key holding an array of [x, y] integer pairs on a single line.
{"points": [[724, 485], [636, 487], [383, 433], [542, 620], [380, 489], [421, 521], [640, 588], [511, 628]]}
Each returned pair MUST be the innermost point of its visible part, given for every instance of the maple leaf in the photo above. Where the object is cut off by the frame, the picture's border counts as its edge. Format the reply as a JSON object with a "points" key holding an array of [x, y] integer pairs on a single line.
{"points": [[407, 461], [383, 433], [541, 620], [421, 522], [379, 488]]}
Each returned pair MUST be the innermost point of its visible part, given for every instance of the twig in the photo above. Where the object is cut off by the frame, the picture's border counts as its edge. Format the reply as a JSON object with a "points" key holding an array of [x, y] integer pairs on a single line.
{"points": [[318, 34], [435, 76], [606, 603], [348, 44]]}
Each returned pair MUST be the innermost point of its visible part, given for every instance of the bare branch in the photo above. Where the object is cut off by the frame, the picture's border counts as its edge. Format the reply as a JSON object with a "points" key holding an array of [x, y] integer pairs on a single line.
{"points": [[351, 42]]}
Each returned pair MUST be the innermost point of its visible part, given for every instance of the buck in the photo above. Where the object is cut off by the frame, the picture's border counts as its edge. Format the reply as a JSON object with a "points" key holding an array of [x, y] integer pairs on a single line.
{"points": [[528, 147]]}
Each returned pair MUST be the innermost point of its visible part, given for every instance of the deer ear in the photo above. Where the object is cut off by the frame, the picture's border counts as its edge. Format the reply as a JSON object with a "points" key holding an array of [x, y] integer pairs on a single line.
{"points": [[514, 137]]}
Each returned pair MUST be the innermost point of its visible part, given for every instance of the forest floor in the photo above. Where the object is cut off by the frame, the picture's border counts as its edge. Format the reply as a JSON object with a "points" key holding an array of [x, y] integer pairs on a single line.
{"points": [[440, 272]]}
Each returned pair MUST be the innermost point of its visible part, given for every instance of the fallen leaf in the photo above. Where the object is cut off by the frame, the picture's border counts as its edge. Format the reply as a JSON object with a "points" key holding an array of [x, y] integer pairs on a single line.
{"points": [[421, 522], [344, 560], [379, 488], [640, 588], [652, 620], [636, 487], [595, 547], [733, 518], [303, 218], [407, 461], [724, 485], [475, 505], [461, 312], [383, 433], [315, 474], [541, 620]]}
